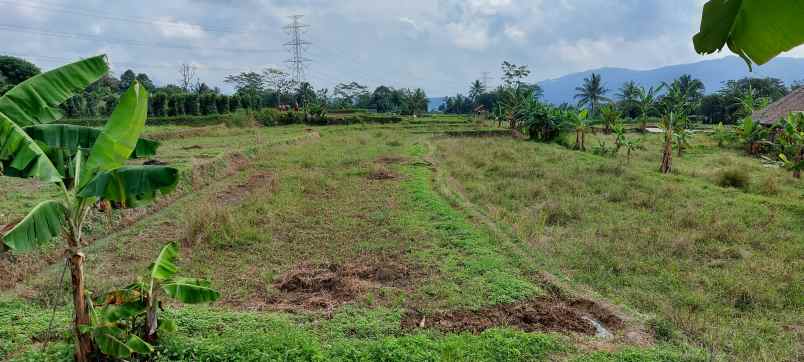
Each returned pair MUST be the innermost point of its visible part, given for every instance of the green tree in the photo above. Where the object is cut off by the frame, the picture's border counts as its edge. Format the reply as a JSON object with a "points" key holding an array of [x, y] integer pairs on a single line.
{"points": [[248, 85], [383, 99], [88, 165], [514, 75], [146, 82], [669, 122], [126, 80], [591, 94], [16, 70], [476, 89], [628, 96]]}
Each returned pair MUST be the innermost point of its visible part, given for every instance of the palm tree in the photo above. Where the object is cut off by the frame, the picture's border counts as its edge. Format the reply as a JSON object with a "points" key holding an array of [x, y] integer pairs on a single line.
{"points": [[693, 88], [476, 89], [592, 93], [628, 96]]}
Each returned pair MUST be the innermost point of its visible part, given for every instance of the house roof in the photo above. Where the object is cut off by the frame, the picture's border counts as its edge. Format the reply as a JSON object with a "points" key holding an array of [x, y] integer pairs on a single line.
{"points": [[792, 103]]}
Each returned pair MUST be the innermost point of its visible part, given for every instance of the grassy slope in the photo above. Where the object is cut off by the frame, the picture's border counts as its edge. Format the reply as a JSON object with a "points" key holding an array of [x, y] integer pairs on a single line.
{"points": [[718, 267]]}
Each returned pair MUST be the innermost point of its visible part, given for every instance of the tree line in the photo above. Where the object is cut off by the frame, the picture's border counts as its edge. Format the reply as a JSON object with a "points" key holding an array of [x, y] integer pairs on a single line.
{"points": [[190, 96]]}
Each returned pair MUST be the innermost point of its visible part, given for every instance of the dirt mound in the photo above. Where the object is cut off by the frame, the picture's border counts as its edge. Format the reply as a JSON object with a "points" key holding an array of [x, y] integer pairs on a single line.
{"points": [[381, 174], [542, 314], [325, 286], [237, 193]]}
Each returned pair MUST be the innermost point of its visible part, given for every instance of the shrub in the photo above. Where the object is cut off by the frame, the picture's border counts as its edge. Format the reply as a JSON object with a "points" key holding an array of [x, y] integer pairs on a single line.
{"points": [[733, 177], [240, 119], [268, 117]]}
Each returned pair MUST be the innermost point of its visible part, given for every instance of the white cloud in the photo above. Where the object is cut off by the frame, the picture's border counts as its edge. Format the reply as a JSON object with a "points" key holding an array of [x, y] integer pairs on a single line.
{"points": [[515, 33], [170, 28], [410, 22], [469, 35]]}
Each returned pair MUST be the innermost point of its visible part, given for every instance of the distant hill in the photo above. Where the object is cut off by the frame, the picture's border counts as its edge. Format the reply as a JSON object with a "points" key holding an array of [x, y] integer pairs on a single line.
{"points": [[434, 103], [712, 72]]}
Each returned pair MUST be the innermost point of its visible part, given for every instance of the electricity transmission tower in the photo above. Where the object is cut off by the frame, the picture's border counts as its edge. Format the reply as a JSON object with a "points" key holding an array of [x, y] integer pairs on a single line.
{"points": [[297, 47], [486, 80]]}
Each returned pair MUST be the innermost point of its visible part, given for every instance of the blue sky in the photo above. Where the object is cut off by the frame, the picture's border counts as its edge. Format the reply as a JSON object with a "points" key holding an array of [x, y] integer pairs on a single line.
{"points": [[439, 45]]}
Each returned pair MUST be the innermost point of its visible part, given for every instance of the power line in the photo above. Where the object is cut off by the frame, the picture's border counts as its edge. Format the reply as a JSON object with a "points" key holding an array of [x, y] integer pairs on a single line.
{"points": [[296, 46], [59, 34]]}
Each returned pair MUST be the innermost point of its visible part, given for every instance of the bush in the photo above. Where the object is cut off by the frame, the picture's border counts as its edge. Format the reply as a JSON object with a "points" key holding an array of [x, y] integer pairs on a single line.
{"points": [[733, 177], [240, 119], [268, 117]]}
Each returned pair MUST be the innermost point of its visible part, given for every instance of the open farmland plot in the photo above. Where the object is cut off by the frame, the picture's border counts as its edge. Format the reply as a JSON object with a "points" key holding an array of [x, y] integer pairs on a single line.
{"points": [[403, 243]]}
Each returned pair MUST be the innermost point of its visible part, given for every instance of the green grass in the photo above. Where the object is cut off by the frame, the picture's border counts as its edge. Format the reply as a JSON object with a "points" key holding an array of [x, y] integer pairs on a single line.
{"points": [[474, 220], [721, 267]]}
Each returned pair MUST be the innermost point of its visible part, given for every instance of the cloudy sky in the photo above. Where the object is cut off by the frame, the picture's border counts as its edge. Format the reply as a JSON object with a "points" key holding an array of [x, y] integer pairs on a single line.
{"points": [[439, 45]]}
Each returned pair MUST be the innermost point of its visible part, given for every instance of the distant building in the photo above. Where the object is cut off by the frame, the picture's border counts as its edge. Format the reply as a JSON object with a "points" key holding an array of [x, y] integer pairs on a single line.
{"points": [[792, 103]]}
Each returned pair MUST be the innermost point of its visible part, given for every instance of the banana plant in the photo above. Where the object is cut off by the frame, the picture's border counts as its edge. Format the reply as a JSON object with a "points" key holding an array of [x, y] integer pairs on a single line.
{"points": [[792, 142], [669, 123], [751, 133], [631, 145], [88, 165], [722, 135], [610, 114], [580, 123], [123, 310], [619, 134], [682, 138]]}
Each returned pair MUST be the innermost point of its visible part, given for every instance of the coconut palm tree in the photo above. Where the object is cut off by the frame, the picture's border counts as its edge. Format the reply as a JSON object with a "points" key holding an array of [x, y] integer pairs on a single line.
{"points": [[592, 93], [628, 96], [476, 89]]}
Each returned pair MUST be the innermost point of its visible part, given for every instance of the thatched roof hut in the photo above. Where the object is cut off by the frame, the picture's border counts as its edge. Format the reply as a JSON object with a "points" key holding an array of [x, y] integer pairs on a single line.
{"points": [[792, 103]]}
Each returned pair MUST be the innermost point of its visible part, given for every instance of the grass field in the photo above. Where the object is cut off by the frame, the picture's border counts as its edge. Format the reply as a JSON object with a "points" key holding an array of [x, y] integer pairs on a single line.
{"points": [[398, 242]]}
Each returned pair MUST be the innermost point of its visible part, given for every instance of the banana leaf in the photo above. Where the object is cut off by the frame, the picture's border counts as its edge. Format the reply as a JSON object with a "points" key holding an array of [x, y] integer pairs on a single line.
{"points": [[113, 342], [21, 156], [41, 225], [132, 186], [756, 30], [36, 100], [61, 142], [164, 267], [119, 137], [190, 290]]}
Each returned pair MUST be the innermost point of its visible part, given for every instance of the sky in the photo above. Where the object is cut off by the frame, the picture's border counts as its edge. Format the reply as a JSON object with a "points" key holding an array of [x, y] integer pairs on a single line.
{"points": [[438, 45]]}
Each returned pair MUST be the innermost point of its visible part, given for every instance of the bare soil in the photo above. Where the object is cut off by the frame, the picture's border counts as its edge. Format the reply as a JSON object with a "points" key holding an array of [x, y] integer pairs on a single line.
{"points": [[326, 286], [237, 193], [539, 314]]}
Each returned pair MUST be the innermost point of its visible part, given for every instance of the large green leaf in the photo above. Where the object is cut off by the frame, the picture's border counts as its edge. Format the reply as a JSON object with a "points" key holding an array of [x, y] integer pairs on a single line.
{"points": [[113, 342], [190, 291], [41, 225], [164, 267], [132, 186], [756, 30], [119, 137], [61, 142], [36, 100], [21, 156]]}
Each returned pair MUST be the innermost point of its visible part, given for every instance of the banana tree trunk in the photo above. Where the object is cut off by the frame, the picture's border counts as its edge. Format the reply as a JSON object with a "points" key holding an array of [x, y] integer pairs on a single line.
{"points": [[799, 158], [667, 158], [83, 341], [151, 321], [577, 139]]}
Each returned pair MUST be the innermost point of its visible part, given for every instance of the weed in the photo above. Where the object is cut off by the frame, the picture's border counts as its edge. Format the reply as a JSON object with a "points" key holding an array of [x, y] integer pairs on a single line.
{"points": [[733, 177]]}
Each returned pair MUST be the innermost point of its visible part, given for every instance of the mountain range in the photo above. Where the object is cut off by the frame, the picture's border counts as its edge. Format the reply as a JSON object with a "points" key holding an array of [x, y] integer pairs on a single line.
{"points": [[713, 73]]}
